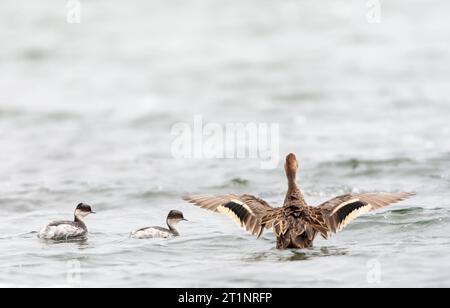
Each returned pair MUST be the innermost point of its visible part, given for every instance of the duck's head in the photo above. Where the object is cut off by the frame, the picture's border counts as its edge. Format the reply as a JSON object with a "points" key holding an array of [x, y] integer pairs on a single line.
{"points": [[291, 166], [83, 210], [175, 217]]}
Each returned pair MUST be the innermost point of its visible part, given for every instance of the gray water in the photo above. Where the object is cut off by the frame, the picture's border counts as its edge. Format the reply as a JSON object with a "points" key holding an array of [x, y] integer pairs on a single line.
{"points": [[86, 112]]}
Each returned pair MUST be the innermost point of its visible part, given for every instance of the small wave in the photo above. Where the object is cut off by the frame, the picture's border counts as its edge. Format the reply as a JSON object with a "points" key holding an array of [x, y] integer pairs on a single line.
{"points": [[445, 177], [154, 193], [405, 218], [35, 116], [405, 211], [296, 97], [215, 239], [236, 182], [80, 241], [151, 119], [25, 235], [10, 113], [355, 163], [36, 54], [295, 254], [444, 157], [58, 116]]}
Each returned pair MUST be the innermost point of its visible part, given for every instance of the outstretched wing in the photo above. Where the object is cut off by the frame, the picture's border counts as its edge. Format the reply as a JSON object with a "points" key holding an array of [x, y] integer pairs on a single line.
{"points": [[245, 210], [340, 211]]}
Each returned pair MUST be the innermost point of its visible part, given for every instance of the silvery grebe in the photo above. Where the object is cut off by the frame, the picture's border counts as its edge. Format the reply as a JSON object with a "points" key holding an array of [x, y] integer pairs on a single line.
{"points": [[67, 230], [172, 221]]}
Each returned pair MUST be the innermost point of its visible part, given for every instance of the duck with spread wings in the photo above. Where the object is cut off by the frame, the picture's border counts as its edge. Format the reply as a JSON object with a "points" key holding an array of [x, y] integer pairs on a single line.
{"points": [[296, 224]]}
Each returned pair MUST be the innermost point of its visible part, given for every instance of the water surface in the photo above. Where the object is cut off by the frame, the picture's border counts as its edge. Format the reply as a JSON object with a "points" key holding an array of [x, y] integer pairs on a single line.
{"points": [[86, 112]]}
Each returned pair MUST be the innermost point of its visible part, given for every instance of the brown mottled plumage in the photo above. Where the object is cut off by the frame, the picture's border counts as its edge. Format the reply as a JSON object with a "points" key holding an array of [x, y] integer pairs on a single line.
{"points": [[295, 224]]}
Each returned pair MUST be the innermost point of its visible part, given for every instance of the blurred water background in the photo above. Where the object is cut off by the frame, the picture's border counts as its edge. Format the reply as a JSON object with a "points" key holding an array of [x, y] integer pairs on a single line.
{"points": [[86, 112]]}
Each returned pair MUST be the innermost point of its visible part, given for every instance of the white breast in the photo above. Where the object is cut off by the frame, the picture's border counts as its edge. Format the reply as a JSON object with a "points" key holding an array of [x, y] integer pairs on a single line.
{"points": [[150, 233], [61, 232]]}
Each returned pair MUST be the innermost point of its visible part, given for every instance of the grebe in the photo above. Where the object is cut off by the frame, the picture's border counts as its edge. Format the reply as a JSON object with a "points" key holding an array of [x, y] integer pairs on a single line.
{"points": [[67, 230], [173, 219]]}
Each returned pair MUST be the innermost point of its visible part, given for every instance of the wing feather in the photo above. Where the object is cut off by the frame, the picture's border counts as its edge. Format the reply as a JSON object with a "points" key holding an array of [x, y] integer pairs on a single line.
{"points": [[340, 211], [245, 210]]}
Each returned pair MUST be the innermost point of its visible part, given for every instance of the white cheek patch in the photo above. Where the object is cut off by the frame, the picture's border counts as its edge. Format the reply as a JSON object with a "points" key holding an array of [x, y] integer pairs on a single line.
{"points": [[174, 221], [80, 213]]}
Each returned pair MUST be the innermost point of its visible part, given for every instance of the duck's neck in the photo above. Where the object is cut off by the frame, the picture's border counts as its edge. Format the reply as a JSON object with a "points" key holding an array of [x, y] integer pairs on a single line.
{"points": [[294, 193], [172, 224]]}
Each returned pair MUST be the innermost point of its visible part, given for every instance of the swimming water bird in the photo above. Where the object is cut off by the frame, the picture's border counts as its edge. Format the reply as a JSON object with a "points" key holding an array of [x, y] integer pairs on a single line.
{"points": [[173, 219], [295, 224], [68, 230]]}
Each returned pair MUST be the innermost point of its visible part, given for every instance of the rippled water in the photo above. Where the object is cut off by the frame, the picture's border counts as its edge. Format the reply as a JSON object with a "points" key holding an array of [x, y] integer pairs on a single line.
{"points": [[86, 112]]}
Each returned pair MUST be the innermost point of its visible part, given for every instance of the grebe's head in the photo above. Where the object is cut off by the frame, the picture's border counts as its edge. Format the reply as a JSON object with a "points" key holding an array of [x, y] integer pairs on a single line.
{"points": [[175, 217], [83, 210]]}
